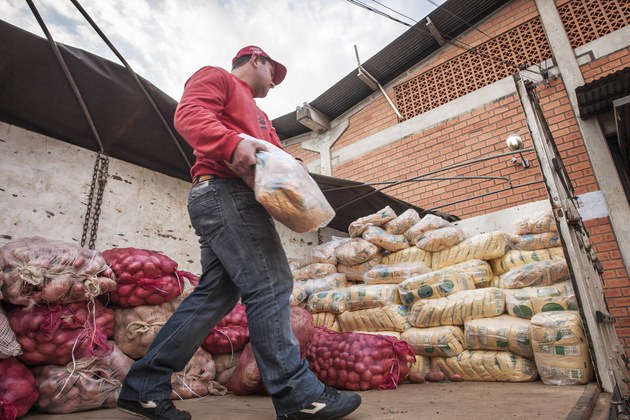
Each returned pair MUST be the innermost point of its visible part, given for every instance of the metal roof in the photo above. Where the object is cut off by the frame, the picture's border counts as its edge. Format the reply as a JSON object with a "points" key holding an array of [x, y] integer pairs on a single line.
{"points": [[451, 19]]}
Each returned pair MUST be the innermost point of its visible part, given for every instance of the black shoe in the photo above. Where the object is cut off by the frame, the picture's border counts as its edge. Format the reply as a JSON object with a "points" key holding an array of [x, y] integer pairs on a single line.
{"points": [[153, 410], [331, 405]]}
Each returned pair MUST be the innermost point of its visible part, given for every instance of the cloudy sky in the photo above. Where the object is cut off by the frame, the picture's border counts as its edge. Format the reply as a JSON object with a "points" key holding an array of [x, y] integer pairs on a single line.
{"points": [[165, 41]]}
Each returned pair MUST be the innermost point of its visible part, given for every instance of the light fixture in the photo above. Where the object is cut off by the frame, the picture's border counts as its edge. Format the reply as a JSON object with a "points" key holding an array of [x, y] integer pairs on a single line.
{"points": [[515, 143]]}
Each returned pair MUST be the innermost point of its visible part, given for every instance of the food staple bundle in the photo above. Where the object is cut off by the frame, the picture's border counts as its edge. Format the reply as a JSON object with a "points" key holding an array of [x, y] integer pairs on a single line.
{"points": [[89, 383], [288, 192], [359, 361], [36, 270], [230, 334], [18, 392], [197, 379], [145, 277], [58, 333]]}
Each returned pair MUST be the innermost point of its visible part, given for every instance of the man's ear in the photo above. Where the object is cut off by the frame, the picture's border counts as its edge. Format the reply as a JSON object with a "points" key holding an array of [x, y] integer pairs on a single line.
{"points": [[255, 59]]}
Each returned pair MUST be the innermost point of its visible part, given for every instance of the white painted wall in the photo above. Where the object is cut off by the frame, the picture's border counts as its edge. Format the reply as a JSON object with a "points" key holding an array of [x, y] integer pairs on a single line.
{"points": [[44, 187]]}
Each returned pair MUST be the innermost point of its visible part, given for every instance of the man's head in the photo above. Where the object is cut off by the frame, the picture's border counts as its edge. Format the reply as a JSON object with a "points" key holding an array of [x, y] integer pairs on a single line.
{"points": [[260, 71]]}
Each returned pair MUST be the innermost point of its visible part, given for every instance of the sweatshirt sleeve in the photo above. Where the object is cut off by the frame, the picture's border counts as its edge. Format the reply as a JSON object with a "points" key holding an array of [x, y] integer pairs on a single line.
{"points": [[197, 117]]}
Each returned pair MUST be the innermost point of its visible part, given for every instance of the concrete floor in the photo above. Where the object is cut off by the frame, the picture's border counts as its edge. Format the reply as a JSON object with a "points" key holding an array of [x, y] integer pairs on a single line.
{"points": [[447, 400]]}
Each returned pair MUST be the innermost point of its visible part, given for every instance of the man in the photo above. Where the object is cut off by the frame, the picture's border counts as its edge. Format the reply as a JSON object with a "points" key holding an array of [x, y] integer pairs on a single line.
{"points": [[241, 253]]}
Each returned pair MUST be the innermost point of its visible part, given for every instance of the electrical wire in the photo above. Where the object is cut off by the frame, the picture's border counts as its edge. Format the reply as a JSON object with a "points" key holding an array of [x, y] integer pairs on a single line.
{"points": [[459, 44]]}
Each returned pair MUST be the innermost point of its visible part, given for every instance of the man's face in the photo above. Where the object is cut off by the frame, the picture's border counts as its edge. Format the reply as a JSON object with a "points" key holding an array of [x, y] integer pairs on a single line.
{"points": [[264, 76]]}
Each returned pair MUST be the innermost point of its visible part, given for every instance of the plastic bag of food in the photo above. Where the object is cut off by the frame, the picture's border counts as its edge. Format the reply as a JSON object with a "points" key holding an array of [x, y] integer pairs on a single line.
{"points": [[382, 318], [479, 270], [288, 192], [364, 296], [402, 223], [484, 246], [394, 274], [314, 271], [197, 378], [561, 348], [145, 277], [543, 273], [231, 334], [427, 223], [18, 391], [355, 251], [488, 366], [37, 270], [86, 384], [9, 346], [411, 254], [434, 285], [501, 333], [457, 308], [356, 272], [58, 333], [529, 301], [534, 241], [543, 221], [328, 301], [515, 257], [359, 361], [379, 218], [333, 281], [440, 239], [444, 341], [135, 328], [388, 241], [326, 319]]}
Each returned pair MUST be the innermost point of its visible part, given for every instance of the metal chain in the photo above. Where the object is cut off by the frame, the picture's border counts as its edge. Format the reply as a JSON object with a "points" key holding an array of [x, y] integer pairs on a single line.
{"points": [[99, 179]]}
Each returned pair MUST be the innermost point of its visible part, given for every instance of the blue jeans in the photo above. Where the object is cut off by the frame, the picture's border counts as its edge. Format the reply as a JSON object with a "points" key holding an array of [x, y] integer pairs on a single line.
{"points": [[241, 257]]}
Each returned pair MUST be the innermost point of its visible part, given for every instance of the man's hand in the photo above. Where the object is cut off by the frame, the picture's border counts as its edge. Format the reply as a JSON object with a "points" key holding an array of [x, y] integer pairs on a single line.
{"points": [[243, 161]]}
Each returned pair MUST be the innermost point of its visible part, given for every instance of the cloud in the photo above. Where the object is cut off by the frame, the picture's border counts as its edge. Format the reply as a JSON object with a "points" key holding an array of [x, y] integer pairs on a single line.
{"points": [[165, 41]]}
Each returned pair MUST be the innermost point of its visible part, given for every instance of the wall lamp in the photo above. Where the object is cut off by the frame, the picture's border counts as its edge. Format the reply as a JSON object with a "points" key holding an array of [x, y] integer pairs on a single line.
{"points": [[515, 143]]}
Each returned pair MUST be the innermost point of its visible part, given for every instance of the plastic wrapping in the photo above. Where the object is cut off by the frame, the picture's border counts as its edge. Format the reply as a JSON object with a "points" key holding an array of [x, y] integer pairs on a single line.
{"points": [[543, 221], [428, 222], [387, 241], [90, 383], [543, 273], [444, 341], [394, 274], [314, 271], [36, 270], [440, 239], [328, 301], [479, 270], [411, 254], [434, 285], [457, 308], [136, 328], [402, 223], [561, 348], [528, 301], [385, 318], [534, 241], [487, 366], [288, 192], [333, 281], [484, 246], [362, 296], [326, 319], [379, 218], [355, 251], [501, 333], [358, 361], [356, 272], [514, 258]]}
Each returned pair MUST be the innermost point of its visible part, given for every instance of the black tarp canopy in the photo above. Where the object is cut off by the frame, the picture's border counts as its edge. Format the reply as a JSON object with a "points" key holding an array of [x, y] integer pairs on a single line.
{"points": [[36, 95]]}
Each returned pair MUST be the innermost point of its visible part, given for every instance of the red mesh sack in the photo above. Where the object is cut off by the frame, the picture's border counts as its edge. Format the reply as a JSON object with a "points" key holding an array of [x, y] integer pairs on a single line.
{"points": [[230, 334], [18, 392], [38, 270], [356, 361], [145, 277], [56, 334], [246, 378]]}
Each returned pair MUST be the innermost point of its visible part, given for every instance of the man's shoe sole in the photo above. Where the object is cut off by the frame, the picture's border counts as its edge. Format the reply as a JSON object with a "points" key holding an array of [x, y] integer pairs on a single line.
{"points": [[133, 413]]}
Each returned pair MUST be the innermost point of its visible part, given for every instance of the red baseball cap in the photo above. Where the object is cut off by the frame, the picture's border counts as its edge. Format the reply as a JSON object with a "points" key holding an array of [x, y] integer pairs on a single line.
{"points": [[279, 70]]}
